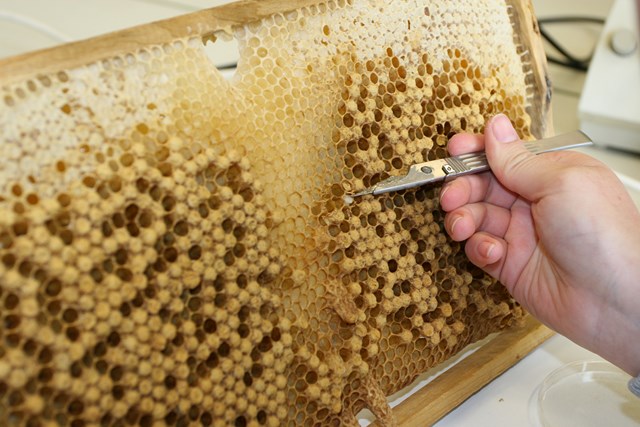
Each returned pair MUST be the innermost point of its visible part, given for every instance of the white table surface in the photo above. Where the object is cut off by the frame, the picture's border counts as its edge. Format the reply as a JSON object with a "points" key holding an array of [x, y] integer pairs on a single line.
{"points": [[506, 400]]}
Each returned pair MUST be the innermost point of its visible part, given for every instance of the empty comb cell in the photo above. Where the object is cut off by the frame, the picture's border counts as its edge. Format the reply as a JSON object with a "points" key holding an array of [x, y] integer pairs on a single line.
{"points": [[177, 249]]}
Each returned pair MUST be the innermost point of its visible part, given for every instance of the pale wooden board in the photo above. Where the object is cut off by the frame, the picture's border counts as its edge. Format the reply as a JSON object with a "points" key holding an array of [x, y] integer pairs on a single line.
{"points": [[461, 381]]}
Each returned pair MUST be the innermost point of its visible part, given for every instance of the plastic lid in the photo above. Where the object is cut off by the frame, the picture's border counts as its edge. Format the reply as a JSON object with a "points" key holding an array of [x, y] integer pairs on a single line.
{"points": [[583, 394]]}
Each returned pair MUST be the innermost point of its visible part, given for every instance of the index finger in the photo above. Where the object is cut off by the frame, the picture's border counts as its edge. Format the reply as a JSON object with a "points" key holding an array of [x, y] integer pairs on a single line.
{"points": [[464, 143]]}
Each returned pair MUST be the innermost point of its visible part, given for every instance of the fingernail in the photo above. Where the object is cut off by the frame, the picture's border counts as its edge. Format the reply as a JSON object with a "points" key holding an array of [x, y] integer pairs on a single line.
{"points": [[454, 222], [486, 248], [443, 191], [503, 129]]}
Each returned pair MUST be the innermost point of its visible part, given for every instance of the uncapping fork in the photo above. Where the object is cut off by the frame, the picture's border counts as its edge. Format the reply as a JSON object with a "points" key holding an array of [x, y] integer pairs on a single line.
{"points": [[465, 164]]}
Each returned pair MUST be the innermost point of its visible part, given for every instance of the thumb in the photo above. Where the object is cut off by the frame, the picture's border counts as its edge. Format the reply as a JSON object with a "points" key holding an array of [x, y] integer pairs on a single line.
{"points": [[513, 165]]}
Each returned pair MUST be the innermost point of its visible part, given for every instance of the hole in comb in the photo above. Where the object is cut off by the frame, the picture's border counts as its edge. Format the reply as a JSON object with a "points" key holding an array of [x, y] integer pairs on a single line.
{"points": [[221, 49]]}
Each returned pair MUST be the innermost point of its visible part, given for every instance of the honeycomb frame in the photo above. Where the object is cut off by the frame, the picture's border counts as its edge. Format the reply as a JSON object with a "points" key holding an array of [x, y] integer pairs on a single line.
{"points": [[176, 248]]}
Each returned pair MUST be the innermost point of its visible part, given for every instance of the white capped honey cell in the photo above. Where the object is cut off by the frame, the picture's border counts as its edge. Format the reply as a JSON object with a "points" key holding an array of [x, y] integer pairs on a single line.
{"points": [[176, 249]]}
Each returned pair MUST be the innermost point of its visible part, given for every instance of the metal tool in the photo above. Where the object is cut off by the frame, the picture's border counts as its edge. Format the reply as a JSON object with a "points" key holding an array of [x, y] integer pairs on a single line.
{"points": [[465, 164]]}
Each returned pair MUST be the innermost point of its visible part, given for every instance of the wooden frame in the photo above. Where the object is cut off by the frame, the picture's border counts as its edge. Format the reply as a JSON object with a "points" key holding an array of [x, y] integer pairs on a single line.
{"points": [[524, 15], [465, 378], [448, 390]]}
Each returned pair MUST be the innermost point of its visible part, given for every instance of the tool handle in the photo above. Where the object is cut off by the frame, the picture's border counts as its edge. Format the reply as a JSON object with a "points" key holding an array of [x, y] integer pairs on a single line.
{"points": [[466, 164], [565, 141]]}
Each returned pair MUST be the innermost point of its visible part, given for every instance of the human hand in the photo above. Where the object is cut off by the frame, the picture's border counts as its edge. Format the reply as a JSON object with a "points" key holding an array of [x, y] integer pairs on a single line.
{"points": [[560, 232]]}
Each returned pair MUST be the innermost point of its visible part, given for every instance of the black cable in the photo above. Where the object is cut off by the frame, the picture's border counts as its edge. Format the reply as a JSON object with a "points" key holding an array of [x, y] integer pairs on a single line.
{"points": [[570, 58], [569, 19], [567, 59]]}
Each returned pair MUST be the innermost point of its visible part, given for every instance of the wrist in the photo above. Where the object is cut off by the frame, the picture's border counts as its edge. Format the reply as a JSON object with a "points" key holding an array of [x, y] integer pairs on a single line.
{"points": [[617, 327], [621, 321]]}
